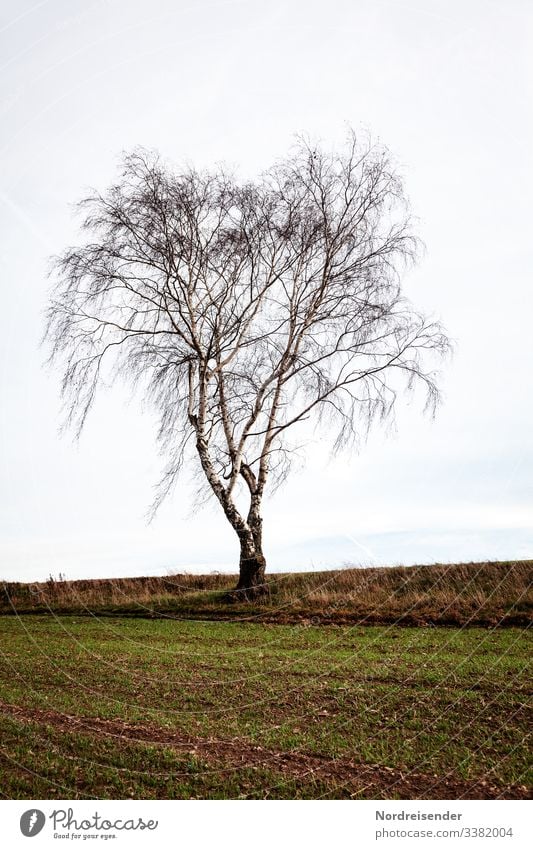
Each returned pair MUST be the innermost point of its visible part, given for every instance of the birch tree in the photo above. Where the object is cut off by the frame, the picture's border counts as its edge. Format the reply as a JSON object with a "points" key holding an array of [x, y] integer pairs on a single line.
{"points": [[243, 309]]}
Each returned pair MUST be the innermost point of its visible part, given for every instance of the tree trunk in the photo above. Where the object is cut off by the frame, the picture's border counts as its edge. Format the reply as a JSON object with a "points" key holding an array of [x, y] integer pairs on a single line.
{"points": [[252, 565]]}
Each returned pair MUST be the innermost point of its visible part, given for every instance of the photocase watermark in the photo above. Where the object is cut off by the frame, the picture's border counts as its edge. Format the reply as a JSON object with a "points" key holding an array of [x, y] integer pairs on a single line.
{"points": [[32, 822], [66, 820], [66, 825]]}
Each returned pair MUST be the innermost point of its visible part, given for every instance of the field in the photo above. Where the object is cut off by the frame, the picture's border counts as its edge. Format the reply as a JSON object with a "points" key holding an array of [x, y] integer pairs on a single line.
{"points": [[133, 707]]}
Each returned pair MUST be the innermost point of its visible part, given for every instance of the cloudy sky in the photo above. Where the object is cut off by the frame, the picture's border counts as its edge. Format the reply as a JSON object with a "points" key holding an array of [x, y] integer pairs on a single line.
{"points": [[447, 86]]}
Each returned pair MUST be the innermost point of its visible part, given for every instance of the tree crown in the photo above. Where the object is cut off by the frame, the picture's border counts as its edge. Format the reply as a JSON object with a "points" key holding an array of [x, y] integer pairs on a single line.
{"points": [[245, 308]]}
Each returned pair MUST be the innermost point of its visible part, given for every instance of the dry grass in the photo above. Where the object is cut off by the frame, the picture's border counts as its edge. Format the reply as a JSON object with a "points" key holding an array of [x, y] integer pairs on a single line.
{"points": [[95, 593], [467, 593]]}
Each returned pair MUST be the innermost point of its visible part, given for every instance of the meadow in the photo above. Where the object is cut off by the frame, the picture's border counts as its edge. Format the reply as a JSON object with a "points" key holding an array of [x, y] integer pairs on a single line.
{"points": [[299, 696]]}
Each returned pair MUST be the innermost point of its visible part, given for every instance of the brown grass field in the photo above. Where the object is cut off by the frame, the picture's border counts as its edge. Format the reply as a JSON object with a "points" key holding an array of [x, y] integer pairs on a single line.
{"points": [[484, 594]]}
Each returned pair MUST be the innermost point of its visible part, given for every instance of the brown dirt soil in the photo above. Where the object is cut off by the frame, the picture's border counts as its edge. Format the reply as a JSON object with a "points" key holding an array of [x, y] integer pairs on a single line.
{"points": [[356, 779]]}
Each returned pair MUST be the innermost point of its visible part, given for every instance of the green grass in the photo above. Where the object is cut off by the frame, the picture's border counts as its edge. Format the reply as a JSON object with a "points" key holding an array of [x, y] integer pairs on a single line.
{"points": [[43, 763], [438, 701]]}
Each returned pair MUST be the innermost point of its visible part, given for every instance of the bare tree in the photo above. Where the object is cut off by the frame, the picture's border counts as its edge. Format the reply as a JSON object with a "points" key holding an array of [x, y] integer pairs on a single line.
{"points": [[243, 309]]}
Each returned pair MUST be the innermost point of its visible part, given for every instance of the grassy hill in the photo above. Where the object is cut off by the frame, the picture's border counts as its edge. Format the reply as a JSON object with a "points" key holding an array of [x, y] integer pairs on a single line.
{"points": [[483, 594]]}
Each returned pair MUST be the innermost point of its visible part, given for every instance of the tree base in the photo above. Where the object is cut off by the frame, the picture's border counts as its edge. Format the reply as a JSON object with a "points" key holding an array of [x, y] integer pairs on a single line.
{"points": [[251, 585]]}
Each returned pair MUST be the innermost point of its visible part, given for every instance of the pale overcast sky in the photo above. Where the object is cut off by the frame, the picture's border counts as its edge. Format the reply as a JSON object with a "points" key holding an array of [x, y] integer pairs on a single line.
{"points": [[447, 86]]}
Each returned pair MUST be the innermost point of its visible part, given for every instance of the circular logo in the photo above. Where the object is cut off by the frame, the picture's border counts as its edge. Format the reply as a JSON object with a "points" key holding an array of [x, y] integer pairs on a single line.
{"points": [[31, 822]]}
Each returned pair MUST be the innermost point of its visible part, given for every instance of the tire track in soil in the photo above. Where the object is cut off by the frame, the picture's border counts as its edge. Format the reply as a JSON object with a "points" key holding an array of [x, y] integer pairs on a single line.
{"points": [[375, 781]]}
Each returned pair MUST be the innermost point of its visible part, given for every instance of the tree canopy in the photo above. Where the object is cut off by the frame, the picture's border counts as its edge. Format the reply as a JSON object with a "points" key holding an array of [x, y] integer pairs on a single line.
{"points": [[242, 308]]}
